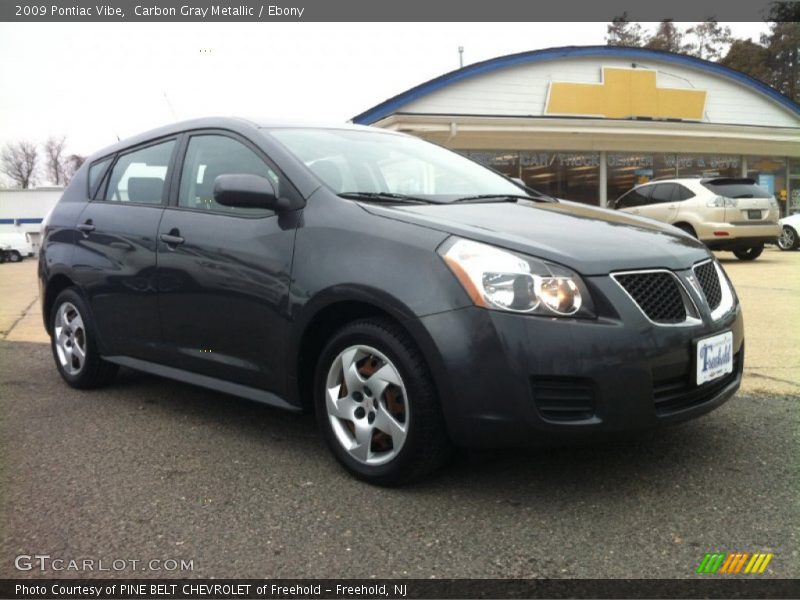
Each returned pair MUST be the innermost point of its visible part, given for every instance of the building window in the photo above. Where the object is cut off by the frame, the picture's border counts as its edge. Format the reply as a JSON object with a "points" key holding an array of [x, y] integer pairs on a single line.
{"points": [[794, 186], [504, 161]]}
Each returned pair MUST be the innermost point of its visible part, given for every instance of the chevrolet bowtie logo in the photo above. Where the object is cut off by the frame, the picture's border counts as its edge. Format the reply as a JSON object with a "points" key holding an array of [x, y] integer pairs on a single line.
{"points": [[623, 94]]}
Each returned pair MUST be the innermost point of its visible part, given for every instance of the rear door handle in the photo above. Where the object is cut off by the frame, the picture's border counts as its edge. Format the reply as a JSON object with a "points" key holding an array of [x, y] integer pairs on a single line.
{"points": [[173, 238], [87, 227]]}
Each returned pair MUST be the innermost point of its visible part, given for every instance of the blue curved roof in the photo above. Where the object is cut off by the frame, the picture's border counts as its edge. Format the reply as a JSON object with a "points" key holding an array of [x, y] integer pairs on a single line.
{"points": [[390, 106]]}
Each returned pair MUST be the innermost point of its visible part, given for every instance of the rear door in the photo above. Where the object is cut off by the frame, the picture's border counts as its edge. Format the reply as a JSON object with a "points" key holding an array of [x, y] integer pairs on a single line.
{"points": [[223, 273], [115, 256]]}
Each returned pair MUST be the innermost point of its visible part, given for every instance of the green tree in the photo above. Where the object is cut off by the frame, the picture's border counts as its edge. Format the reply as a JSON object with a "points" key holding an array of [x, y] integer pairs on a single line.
{"points": [[783, 51], [622, 32], [710, 38], [667, 37], [748, 57]]}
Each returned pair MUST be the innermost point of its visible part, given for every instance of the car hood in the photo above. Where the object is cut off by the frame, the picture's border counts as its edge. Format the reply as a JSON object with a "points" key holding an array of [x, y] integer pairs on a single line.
{"points": [[591, 240]]}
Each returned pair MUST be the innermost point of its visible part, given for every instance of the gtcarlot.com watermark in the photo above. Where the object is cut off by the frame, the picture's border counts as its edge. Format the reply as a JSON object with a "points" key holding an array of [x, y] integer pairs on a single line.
{"points": [[46, 562]]}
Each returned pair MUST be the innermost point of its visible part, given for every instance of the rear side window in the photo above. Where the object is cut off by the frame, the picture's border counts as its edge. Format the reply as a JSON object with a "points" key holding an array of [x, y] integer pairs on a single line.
{"points": [[95, 174], [139, 176], [636, 197], [736, 188]]}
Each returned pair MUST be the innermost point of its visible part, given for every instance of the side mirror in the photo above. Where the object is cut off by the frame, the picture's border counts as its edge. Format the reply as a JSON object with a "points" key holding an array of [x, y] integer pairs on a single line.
{"points": [[247, 191]]}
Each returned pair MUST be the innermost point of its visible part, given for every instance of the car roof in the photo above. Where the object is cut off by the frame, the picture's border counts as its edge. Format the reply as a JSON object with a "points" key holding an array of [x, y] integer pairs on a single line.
{"points": [[232, 123]]}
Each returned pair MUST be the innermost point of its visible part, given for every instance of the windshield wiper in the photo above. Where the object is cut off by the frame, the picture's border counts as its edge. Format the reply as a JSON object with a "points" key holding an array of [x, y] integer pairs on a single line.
{"points": [[504, 198], [383, 197]]}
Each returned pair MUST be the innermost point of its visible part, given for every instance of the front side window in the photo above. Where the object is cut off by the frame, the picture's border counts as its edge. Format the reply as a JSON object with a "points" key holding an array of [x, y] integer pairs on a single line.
{"points": [[355, 161], [208, 157], [634, 198], [139, 177]]}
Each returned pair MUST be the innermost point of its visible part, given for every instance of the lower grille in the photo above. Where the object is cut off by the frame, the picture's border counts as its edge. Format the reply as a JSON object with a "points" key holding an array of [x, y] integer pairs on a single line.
{"points": [[677, 393], [657, 294], [709, 281], [563, 398]]}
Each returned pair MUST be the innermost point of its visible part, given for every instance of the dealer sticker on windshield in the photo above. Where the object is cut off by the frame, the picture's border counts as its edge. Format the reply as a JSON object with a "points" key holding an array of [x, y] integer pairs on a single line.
{"points": [[714, 357]]}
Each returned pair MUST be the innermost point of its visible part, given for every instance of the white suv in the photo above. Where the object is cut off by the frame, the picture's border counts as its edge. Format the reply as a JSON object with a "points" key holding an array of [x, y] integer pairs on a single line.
{"points": [[724, 213]]}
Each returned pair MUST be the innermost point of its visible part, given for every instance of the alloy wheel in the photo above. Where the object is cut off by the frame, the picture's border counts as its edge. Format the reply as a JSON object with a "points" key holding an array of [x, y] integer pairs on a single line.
{"points": [[367, 406], [788, 238], [70, 338]]}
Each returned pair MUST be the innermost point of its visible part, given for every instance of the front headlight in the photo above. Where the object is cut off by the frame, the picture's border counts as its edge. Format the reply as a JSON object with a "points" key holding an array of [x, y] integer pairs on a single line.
{"points": [[503, 280]]}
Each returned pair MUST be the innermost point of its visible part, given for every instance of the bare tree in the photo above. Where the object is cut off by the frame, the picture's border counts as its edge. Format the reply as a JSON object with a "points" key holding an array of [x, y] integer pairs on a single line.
{"points": [[54, 149], [71, 165], [19, 162]]}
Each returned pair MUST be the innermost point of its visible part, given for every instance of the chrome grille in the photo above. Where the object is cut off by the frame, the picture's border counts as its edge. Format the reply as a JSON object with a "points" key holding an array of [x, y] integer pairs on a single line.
{"points": [[709, 281], [657, 294]]}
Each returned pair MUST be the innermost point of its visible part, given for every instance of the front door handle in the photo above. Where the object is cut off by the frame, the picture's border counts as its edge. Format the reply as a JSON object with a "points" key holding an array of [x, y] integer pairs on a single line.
{"points": [[173, 238], [87, 227]]}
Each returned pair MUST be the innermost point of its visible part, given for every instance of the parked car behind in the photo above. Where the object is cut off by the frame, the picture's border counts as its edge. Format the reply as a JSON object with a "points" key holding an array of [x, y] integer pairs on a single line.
{"points": [[411, 298], [789, 239], [724, 213], [16, 246]]}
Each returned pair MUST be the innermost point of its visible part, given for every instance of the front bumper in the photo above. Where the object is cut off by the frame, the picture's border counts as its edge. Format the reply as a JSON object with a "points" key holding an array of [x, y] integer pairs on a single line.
{"points": [[510, 380]]}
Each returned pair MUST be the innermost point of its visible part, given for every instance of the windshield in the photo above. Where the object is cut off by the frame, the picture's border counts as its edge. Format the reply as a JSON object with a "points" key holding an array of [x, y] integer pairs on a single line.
{"points": [[373, 162]]}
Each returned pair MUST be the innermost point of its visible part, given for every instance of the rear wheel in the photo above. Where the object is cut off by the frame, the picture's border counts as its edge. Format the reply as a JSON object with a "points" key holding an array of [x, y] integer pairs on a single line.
{"points": [[14, 256], [686, 228], [788, 239], [377, 406], [751, 253], [74, 345]]}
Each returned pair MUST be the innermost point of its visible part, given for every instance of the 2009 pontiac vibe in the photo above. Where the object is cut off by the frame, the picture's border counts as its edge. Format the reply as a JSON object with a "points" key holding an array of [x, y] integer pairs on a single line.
{"points": [[413, 299]]}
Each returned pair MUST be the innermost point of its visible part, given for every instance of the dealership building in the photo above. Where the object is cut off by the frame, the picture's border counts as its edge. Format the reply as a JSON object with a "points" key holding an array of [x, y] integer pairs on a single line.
{"points": [[589, 123]]}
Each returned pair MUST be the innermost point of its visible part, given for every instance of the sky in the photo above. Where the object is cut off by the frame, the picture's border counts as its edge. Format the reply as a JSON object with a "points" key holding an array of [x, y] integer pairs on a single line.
{"points": [[96, 82]]}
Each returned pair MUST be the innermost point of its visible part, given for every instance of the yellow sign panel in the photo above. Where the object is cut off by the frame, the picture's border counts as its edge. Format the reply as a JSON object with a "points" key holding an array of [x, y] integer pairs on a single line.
{"points": [[623, 94]]}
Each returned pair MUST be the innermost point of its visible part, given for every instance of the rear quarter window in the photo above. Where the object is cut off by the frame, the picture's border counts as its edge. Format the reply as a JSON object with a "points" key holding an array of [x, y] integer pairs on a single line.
{"points": [[95, 175]]}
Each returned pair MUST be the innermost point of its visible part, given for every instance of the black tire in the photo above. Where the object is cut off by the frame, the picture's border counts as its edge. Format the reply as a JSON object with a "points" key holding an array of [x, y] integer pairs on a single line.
{"points": [[14, 256], [426, 445], [788, 239], [751, 253], [687, 229], [94, 371]]}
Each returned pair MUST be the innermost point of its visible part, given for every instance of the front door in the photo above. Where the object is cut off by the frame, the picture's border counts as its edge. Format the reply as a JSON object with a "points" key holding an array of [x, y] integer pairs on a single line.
{"points": [[223, 273]]}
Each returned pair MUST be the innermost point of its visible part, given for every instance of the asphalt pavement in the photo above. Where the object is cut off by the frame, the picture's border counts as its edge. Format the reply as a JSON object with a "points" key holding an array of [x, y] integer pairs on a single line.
{"points": [[151, 469]]}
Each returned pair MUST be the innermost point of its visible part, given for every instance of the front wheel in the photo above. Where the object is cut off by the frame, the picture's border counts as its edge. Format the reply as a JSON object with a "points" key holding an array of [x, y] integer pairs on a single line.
{"points": [[72, 339], [377, 406], [751, 253], [14, 256], [788, 239]]}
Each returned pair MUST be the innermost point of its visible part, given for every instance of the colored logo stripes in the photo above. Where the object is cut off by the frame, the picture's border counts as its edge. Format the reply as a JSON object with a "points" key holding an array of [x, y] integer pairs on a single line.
{"points": [[734, 563]]}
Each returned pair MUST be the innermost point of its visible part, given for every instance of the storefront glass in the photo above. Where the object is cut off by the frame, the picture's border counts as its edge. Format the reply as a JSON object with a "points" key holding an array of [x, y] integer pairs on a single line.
{"points": [[794, 186], [504, 161], [570, 175], [770, 173], [708, 165], [628, 170]]}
